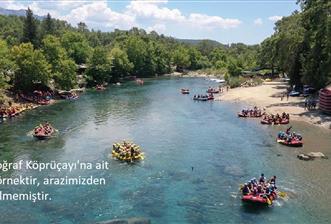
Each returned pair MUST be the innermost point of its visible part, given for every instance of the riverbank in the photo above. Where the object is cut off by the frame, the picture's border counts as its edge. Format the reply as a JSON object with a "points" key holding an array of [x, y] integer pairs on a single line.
{"points": [[196, 74], [268, 96]]}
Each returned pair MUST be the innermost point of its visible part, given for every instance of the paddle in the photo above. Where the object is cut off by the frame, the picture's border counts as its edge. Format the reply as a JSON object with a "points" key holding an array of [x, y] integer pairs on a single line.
{"points": [[282, 194]]}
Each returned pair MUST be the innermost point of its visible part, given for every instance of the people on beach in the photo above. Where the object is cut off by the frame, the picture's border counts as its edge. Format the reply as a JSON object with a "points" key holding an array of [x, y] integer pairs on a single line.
{"points": [[38, 97], [13, 110], [310, 104]]}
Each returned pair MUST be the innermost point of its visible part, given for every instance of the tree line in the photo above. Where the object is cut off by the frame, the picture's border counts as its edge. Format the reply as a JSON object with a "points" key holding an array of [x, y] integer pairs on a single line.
{"points": [[48, 51], [301, 45]]}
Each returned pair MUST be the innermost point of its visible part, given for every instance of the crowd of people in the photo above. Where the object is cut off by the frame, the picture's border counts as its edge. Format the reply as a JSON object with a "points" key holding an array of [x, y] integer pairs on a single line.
{"points": [[127, 151], [69, 96], [43, 130], [262, 187], [310, 104], [100, 87], [12, 111], [289, 137], [212, 90], [39, 97], [284, 118]]}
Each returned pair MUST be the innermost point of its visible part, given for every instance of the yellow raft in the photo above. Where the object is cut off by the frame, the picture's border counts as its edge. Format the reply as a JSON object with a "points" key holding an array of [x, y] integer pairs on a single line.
{"points": [[128, 152]]}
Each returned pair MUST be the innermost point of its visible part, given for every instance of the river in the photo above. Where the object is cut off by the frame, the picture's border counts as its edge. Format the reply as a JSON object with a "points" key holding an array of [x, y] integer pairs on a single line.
{"points": [[196, 156]]}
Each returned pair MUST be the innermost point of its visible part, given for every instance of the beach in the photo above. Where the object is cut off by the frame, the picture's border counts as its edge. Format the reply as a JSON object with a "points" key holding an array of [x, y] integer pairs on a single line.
{"points": [[268, 96]]}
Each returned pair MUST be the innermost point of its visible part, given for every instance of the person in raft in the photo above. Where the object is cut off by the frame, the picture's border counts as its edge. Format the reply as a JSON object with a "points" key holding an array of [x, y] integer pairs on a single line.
{"points": [[262, 186], [273, 181], [262, 179]]}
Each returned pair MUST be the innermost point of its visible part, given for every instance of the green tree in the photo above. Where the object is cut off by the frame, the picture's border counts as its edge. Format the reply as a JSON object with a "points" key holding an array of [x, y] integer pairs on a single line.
{"points": [[316, 56], [149, 67], [289, 46], [181, 58], [137, 51], [5, 65], [65, 74], [62, 67], [48, 26], [30, 28], [31, 67], [121, 66], [233, 68], [206, 46], [82, 27], [77, 46], [162, 59], [99, 67], [267, 53], [195, 58], [218, 56]]}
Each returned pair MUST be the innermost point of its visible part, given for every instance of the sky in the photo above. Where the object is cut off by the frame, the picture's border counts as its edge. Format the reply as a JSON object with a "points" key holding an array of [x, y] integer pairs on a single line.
{"points": [[226, 21]]}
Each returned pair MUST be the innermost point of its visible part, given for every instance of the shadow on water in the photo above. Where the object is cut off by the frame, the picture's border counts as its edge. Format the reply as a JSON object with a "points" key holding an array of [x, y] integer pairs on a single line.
{"points": [[254, 208]]}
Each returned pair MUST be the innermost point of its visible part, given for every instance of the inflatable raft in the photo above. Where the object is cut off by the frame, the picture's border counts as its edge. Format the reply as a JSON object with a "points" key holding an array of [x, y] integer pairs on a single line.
{"points": [[127, 152], [250, 116], [212, 91], [42, 135], [185, 91], [292, 143], [284, 121], [260, 199]]}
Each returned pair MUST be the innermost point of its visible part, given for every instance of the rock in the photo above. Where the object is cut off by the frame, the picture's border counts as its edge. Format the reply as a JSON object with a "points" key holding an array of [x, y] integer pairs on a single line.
{"points": [[317, 155], [127, 221], [311, 156], [139, 221], [304, 157], [114, 221]]}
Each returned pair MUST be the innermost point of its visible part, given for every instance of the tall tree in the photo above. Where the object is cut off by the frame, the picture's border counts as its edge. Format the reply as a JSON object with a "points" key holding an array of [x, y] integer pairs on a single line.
{"points": [[82, 27], [30, 28], [181, 58], [121, 66], [316, 58], [31, 67], [137, 51], [99, 67], [63, 68], [77, 46], [48, 26], [5, 65]]}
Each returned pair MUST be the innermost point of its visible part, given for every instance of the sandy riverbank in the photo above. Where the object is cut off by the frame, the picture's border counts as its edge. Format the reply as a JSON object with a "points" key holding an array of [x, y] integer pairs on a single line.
{"points": [[268, 96]]}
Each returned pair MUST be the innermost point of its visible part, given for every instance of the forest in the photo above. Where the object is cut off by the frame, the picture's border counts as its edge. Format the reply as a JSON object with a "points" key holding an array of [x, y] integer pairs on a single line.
{"points": [[48, 51]]}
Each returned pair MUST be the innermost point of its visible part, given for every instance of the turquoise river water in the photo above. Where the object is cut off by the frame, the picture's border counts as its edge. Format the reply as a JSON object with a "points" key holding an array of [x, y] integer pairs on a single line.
{"points": [[175, 134]]}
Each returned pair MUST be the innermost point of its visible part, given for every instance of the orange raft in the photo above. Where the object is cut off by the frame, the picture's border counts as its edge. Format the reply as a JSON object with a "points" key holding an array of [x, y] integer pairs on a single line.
{"points": [[260, 199]]}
